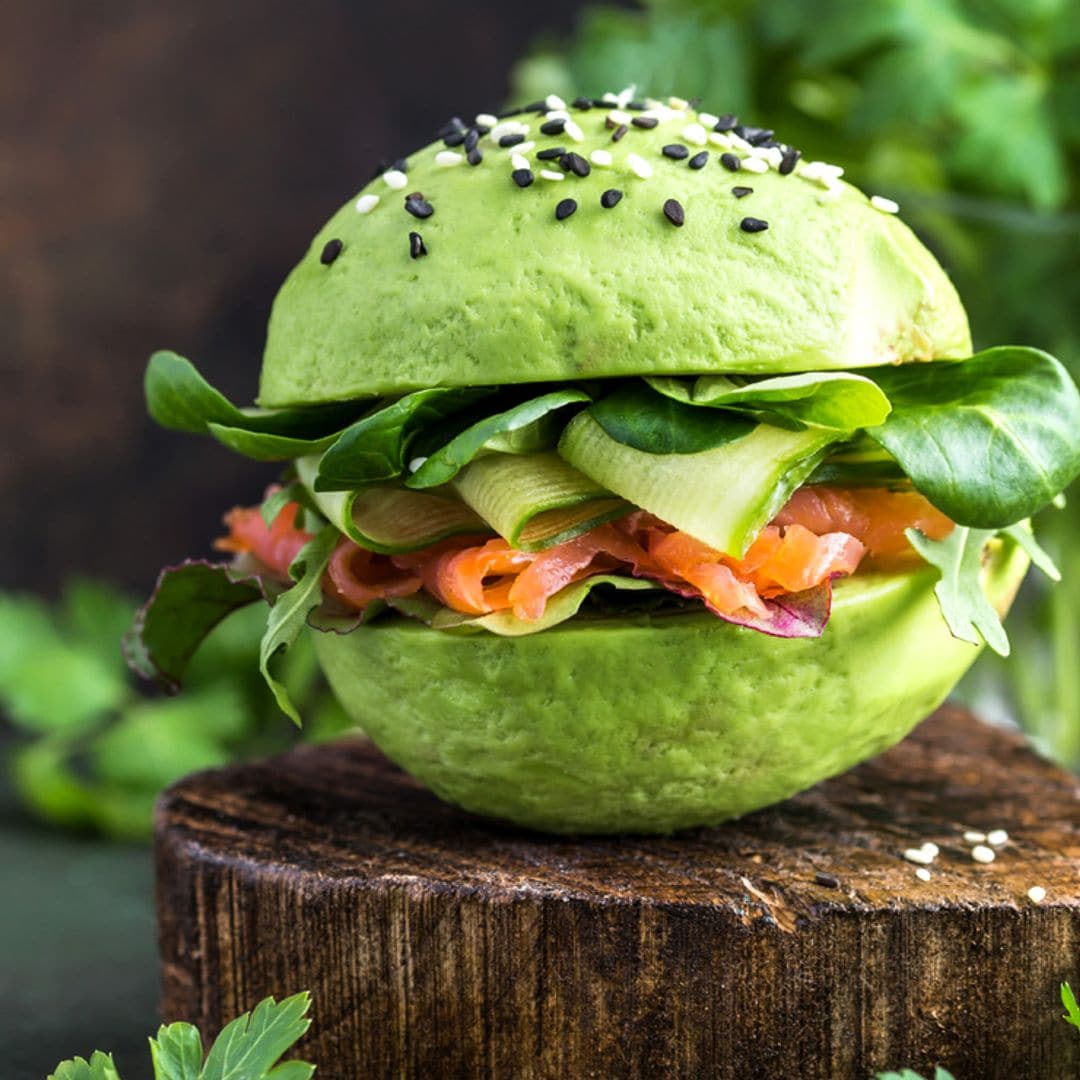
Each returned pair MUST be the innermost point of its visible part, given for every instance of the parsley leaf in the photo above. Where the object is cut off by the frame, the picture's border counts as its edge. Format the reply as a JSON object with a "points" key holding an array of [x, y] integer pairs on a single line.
{"points": [[1072, 1010], [99, 1067]]}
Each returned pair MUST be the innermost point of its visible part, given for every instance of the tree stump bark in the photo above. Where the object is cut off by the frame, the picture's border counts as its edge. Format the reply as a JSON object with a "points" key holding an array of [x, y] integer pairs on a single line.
{"points": [[796, 942]]}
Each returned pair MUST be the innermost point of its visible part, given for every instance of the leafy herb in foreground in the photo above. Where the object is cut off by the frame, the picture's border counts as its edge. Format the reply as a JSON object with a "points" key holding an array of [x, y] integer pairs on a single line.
{"points": [[910, 1074], [249, 1048], [1072, 1010]]}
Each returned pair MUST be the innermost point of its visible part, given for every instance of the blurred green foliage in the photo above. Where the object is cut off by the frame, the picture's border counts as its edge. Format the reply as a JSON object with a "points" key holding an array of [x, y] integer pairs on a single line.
{"points": [[965, 111], [92, 751]]}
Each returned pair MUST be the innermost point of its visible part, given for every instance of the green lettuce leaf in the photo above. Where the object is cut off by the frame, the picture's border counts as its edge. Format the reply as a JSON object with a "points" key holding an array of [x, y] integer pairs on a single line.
{"points": [[494, 433], [989, 440], [830, 399], [377, 447]]}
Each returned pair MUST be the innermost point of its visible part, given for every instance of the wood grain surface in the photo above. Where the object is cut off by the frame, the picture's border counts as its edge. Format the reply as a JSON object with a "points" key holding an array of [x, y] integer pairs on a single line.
{"points": [[795, 943]]}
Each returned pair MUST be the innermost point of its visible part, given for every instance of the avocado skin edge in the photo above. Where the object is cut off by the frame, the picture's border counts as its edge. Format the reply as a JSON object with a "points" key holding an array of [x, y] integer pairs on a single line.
{"points": [[650, 725]]}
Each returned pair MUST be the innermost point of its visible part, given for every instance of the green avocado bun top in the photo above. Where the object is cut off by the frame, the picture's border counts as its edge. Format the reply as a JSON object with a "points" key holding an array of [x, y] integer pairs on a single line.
{"points": [[603, 238]]}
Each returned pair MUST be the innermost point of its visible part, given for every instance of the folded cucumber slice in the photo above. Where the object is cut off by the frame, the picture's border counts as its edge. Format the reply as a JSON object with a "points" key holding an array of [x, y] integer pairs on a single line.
{"points": [[535, 500], [721, 496], [390, 520]]}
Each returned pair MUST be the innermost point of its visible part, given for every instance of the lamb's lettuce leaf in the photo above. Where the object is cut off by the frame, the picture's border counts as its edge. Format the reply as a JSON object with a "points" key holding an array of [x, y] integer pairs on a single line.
{"points": [[989, 440], [830, 399]]}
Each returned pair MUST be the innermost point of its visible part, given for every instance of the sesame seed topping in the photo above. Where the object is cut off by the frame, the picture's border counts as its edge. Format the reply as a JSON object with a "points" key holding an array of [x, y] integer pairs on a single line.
{"points": [[675, 213], [619, 132], [675, 151], [708, 119], [639, 166], [565, 208], [753, 224], [576, 164], [447, 159], [455, 138], [923, 874], [730, 162], [553, 101], [919, 855], [452, 126], [601, 158], [416, 245], [486, 119], [552, 153], [982, 854], [888, 206], [646, 122], [973, 837], [474, 156], [574, 131], [755, 165], [718, 138], [471, 139], [699, 160], [678, 103], [931, 849], [513, 139], [755, 136], [366, 203], [557, 114], [610, 198], [822, 172], [519, 161], [395, 179], [553, 127], [695, 134], [330, 252], [418, 206], [787, 160], [1036, 894], [618, 116], [827, 881], [525, 147], [741, 192], [582, 103], [736, 142], [509, 127], [997, 837], [522, 177], [551, 174], [726, 122]]}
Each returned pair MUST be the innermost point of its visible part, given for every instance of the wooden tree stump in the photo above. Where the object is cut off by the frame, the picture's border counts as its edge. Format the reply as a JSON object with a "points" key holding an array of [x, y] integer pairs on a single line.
{"points": [[793, 943]]}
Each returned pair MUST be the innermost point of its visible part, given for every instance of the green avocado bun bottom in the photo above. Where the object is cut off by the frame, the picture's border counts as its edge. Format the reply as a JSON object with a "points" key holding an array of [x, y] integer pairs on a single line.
{"points": [[627, 315]]}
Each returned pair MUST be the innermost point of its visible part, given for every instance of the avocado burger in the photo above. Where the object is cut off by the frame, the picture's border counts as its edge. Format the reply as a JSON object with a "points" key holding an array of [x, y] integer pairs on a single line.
{"points": [[637, 472]]}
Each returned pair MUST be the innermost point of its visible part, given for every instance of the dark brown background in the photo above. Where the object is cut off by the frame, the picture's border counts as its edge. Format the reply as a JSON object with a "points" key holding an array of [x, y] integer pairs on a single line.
{"points": [[163, 164]]}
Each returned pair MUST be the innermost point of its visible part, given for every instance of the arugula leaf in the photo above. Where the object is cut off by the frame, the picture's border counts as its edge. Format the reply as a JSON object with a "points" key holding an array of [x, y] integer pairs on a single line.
{"points": [[188, 601], [958, 557], [639, 417], [377, 447], [264, 446], [180, 399], [989, 440], [290, 612], [831, 399], [1023, 534], [445, 463], [1072, 1010], [99, 1067]]}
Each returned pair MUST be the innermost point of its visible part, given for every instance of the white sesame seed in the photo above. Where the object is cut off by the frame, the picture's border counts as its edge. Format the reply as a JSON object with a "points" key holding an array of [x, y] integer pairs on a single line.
{"points": [[553, 101], [931, 849], [395, 179], [486, 119], [1036, 894], [708, 119], [447, 159], [551, 174], [556, 114], [678, 103], [755, 165], [519, 161], [922, 874], [610, 98], [366, 203], [918, 855], [601, 158], [830, 193], [738, 142], [574, 131], [774, 156], [997, 837], [887, 206], [695, 134], [416, 462], [973, 837], [617, 116], [720, 138], [821, 171], [508, 127], [983, 854], [639, 166], [523, 148], [625, 96]]}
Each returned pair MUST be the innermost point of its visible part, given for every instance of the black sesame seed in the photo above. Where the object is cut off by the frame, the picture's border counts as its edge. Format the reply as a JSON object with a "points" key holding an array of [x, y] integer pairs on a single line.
{"points": [[636, 106], [416, 245], [536, 106], [551, 153], [330, 252], [582, 103], [610, 198], [676, 151], [644, 121], [742, 192], [730, 162], [418, 206], [674, 212], [379, 170], [753, 224], [511, 140], [787, 162], [755, 136], [510, 112], [402, 165], [726, 122], [575, 163], [522, 177], [699, 161], [553, 127], [482, 129], [475, 156], [619, 132], [455, 138], [600, 103], [565, 208], [827, 881], [472, 137], [455, 123]]}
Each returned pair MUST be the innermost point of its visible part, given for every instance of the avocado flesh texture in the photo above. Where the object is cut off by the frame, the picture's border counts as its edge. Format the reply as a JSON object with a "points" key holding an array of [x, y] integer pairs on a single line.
{"points": [[654, 724]]}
